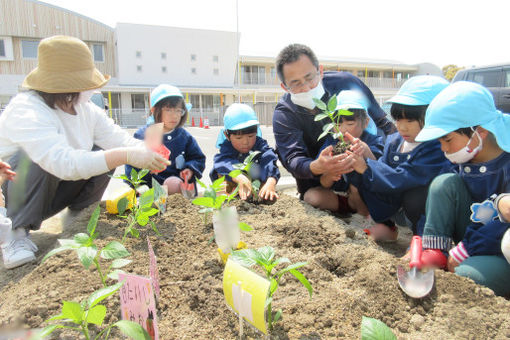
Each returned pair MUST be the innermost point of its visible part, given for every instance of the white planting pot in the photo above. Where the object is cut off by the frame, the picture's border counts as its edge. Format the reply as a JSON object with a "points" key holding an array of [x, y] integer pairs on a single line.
{"points": [[226, 229]]}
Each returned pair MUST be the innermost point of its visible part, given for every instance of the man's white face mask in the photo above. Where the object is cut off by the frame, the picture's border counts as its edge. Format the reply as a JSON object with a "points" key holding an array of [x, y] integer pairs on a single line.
{"points": [[305, 99]]}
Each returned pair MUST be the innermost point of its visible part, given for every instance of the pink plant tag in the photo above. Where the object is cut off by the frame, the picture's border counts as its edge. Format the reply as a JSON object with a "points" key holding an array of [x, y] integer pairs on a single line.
{"points": [[153, 268], [137, 303]]}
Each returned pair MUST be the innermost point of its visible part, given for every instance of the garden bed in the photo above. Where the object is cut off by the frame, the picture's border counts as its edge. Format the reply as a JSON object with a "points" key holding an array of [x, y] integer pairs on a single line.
{"points": [[351, 277]]}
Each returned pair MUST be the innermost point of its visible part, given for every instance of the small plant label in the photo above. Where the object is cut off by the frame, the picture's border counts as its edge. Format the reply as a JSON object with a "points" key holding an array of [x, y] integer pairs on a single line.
{"points": [[137, 303], [246, 293], [153, 268]]}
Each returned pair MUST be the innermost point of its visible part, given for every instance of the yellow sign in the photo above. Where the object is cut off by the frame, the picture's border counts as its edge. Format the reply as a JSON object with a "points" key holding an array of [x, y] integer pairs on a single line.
{"points": [[246, 293]]}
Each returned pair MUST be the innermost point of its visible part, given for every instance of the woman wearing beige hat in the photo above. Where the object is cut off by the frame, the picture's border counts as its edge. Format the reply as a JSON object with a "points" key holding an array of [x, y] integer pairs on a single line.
{"points": [[61, 145]]}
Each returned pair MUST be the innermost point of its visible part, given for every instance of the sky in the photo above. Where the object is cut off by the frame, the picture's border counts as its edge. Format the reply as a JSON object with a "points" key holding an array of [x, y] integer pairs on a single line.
{"points": [[442, 32]]}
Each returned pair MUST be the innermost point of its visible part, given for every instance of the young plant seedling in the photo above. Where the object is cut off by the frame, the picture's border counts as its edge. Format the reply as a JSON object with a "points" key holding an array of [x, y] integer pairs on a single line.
{"points": [[373, 329], [264, 258], [88, 253], [330, 112], [81, 315], [143, 206], [245, 168]]}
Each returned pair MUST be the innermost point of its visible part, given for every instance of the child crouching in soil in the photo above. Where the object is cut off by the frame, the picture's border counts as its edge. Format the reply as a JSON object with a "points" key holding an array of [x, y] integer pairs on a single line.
{"points": [[461, 217], [400, 178], [359, 129], [240, 136]]}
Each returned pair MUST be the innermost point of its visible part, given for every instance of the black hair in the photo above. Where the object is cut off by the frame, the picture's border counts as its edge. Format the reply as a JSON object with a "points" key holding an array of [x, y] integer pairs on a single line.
{"points": [[52, 99], [468, 131], [171, 102], [245, 131], [411, 112], [292, 53], [357, 114]]}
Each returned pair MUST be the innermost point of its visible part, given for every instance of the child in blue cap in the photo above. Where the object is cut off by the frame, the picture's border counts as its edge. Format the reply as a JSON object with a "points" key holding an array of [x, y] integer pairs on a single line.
{"points": [[186, 157], [361, 130], [240, 136], [400, 178], [461, 218]]}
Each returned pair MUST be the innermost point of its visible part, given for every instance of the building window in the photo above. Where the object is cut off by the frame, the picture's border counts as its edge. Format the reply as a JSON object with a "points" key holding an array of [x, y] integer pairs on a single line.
{"points": [[163, 55], [216, 71], [2, 48], [138, 101], [139, 68], [387, 74], [273, 73], [193, 70], [215, 58], [253, 75], [193, 57], [373, 74], [361, 74], [98, 52], [163, 69], [138, 54], [29, 49]]}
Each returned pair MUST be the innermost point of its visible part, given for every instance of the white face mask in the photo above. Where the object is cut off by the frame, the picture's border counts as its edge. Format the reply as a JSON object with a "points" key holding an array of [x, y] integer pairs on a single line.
{"points": [[305, 99], [84, 97], [465, 154]]}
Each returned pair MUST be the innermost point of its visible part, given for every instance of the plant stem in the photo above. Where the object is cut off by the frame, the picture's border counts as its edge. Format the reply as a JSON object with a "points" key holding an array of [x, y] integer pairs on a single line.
{"points": [[103, 280], [270, 317], [85, 331], [101, 333]]}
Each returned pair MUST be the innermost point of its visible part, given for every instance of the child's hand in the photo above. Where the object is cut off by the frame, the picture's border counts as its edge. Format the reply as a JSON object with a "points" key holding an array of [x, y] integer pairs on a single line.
{"points": [[452, 264], [359, 147], [268, 190], [5, 172], [186, 173], [328, 179], [359, 165], [504, 207], [244, 186]]}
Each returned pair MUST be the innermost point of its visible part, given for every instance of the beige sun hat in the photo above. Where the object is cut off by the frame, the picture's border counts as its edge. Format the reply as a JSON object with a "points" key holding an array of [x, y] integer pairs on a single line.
{"points": [[64, 65]]}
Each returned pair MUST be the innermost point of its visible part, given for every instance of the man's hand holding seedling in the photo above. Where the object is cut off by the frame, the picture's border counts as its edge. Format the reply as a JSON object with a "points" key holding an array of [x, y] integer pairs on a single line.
{"points": [[359, 147], [244, 184], [327, 163], [268, 190]]}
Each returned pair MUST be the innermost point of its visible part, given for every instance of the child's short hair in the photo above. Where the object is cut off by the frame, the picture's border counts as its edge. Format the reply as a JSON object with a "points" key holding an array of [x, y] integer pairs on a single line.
{"points": [[411, 112], [466, 131], [245, 131], [357, 114], [171, 102]]}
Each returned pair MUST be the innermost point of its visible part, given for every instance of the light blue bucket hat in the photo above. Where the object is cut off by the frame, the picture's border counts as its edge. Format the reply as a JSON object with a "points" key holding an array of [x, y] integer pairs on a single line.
{"points": [[163, 91], [465, 104], [419, 90], [237, 117], [352, 99]]}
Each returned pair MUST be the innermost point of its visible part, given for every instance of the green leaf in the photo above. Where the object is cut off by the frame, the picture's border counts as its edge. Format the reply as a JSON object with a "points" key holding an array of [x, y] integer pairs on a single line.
{"points": [[153, 225], [143, 173], [344, 113], [91, 226], [266, 253], [119, 263], [96, 315], [373, 329], [149, 211], [55, 251], [202, 184], [233, 194], [303, 280], [277, 316], [114, 275], [87, 255], [273, 287], [320, 104], [337, 135], [47, 331], [218, 183], [67, 242], [219, 201], [322, 135], [268, 302], [292, 266], [278, 261], [132, 330], [320, 116], [245, 227], [122, 205], [103, 293], [205, 210], [81, 238], [134, 232], [256, 185], [142, 219], [114, 250], [245, 257], [328, 127], [123, 177], [133, 175], [146, 198], [238, 166], [250, 157], [235, 173], [204, 201], [332, 103], [72, 311]]}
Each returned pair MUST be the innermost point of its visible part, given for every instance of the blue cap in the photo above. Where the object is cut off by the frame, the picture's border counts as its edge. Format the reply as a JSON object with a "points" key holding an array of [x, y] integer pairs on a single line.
{"points": [[163, 91], [419, 90], [352, 99], [465, 104], [237, 117]]}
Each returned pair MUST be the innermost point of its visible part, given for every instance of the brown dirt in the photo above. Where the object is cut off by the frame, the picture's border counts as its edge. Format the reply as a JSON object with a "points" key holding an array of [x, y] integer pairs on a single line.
{"points": [[351, 277], [340, 147]]}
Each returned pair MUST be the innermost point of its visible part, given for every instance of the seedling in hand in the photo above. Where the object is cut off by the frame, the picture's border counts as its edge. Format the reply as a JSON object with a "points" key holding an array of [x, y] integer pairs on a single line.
{"points": [[81, 315], [264, 258], [88, 253], [329, 111], [246, 169]]}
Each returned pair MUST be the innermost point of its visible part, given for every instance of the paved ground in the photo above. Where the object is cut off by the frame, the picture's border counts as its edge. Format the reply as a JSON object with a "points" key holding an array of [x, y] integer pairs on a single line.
{"points": [[206, 138]]}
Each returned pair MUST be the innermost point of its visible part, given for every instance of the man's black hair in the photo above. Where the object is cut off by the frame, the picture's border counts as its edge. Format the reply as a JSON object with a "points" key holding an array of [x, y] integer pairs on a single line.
{"points": [[292, 53], [411, 112], [245, 131]]}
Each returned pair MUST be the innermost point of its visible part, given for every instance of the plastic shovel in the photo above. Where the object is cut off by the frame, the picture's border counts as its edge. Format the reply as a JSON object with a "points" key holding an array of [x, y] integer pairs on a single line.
{"points": [[187, 189], [415, 283]]}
